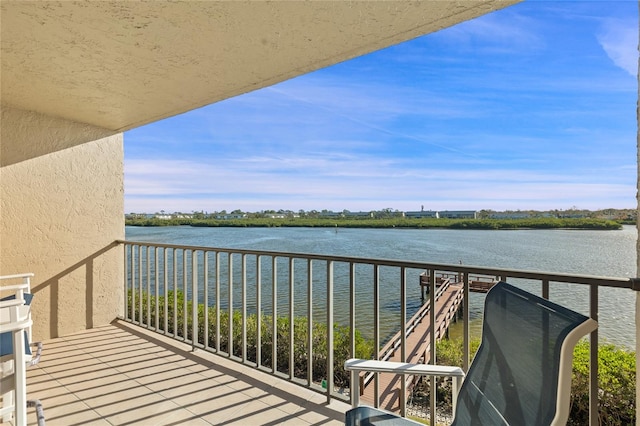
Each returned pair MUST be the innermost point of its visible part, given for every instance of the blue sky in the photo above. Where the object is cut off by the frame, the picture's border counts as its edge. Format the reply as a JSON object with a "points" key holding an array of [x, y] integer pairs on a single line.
{"points": [[530, 107]]}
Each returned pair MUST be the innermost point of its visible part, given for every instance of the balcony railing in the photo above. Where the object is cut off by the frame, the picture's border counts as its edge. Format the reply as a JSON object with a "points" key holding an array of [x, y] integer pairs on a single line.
{"points": [[246, 305]]}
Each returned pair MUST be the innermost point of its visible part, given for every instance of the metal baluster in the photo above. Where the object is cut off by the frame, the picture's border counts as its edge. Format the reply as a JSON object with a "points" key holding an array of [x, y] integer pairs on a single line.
{"points": [[291, 319], [310, 321], [432, 344], [205, 296], [274, 318], [376, 331], [217, 304], [244, 308], [329, 330], [230, 300], [593, 358], [403, 339], [258, 311], [194, 299]]}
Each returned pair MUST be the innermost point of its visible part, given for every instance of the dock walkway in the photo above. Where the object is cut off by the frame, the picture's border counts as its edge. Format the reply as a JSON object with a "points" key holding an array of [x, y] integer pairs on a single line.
{"points": [[448, 300]]}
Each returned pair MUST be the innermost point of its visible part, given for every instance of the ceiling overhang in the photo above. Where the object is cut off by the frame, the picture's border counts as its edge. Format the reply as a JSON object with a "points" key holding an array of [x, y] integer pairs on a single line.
{"points": [[121, 64]]}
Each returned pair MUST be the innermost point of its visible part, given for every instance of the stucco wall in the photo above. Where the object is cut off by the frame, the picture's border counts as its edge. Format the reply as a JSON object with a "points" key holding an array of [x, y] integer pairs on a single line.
{"points": [[61, 209]]}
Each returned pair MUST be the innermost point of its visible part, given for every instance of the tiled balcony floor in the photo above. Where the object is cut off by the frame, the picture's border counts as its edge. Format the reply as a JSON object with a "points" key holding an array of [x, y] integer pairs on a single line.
{"points": [[122, 374]]}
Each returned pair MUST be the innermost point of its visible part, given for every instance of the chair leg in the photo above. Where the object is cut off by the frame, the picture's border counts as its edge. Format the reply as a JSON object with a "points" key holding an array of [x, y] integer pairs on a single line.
{"points": [[7, 401], [7, 387], [39, 410], [21, 380]]}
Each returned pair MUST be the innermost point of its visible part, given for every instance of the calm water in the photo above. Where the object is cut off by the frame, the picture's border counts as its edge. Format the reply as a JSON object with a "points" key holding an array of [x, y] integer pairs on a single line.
{"points": [[602, 253]]}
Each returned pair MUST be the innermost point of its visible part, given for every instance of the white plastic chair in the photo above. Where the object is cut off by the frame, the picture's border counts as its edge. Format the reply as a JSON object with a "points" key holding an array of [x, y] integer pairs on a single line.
{"points": [[14, 319], [15, 350]]}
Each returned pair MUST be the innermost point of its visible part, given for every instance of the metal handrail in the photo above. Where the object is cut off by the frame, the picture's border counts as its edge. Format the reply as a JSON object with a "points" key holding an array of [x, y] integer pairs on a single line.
{"points": [[601, 281]]}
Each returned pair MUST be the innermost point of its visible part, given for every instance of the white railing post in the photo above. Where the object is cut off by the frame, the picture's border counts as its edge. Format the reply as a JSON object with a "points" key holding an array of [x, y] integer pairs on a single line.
{"points": [[355, 388]]}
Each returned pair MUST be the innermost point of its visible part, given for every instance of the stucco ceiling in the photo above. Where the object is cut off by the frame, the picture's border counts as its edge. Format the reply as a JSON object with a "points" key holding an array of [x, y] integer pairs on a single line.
{"points": [[121, 64]]}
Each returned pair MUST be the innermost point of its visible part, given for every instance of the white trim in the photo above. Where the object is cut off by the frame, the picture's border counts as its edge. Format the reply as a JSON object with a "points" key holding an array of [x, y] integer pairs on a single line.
{"points": [[563, 402]]}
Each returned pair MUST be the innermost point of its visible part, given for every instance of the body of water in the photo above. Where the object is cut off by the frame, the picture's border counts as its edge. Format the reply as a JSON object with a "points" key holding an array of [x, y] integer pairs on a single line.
{"points": [[601, 253]]}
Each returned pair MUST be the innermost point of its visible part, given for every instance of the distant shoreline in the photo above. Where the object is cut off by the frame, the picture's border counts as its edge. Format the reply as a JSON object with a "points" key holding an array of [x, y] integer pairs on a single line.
{"points": [[400, 223]]}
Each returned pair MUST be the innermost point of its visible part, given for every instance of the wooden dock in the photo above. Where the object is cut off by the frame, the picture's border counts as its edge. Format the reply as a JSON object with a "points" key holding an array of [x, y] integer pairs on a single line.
{"points": [[449, 298]]}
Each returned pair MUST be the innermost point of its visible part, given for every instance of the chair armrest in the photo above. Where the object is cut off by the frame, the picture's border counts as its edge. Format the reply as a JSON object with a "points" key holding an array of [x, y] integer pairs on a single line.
{"points": [[375, 366], [14, 315], [8, 277], [11, 302], [356, 365], [23, 286]]}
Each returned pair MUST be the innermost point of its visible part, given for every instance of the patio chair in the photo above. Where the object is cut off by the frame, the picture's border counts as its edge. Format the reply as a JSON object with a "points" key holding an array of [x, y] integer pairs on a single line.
{"points": [[15, 318], [521, 374]]}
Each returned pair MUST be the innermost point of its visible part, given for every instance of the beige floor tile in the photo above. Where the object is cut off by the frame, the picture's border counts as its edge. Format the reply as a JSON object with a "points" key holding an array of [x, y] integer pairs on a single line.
{"points": [[45, 388], [214, 408], [180, 417], [258, 413], [132, 362], [102, 387], [66, 410], [77, 365], [86, 376], [283, 404], [147, 409], [153, 374], [178, 386], [294, 421], [320, 418]]}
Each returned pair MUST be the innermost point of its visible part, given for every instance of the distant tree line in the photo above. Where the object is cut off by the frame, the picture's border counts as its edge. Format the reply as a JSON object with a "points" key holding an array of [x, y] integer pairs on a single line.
{"points": [[391, 222], [619, 215]]}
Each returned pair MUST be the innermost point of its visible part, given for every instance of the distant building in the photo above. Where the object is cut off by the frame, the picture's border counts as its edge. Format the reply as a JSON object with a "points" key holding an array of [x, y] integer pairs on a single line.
{"points": [[358, 214], [138, 216], [458, 214], [231, 216], [574, 215], [275, 215], [510, 215], [422, 214]]}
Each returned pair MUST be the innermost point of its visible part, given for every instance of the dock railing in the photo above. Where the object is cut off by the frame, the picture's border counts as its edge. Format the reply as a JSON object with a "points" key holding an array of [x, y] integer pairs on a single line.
{"points": [[224, 300]]}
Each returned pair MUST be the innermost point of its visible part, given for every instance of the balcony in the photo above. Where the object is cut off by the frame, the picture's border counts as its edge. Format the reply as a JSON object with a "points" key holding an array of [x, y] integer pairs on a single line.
{"points": [[166, 362]]}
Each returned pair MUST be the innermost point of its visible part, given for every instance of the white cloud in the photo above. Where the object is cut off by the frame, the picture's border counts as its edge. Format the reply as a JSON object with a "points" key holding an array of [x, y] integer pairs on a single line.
{"points": [[504, 32], [619, 39], [356, 184]]}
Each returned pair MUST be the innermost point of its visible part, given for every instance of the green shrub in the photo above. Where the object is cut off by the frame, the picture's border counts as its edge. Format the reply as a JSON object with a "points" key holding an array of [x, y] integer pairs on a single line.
{"points": [[341, 345], [616, 381], [616, 384]]}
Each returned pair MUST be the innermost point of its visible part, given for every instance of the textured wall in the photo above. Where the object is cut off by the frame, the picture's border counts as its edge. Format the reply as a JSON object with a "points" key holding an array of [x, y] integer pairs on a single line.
{"points": [[120, 64], [60, 213]]}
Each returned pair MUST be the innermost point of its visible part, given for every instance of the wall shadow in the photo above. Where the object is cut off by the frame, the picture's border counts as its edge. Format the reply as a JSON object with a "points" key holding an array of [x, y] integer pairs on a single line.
{"points": [[53, 284]]}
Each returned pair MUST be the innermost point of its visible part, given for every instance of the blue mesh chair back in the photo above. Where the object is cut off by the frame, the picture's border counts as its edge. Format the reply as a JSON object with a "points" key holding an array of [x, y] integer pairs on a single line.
{"points": [[521, 374]]}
